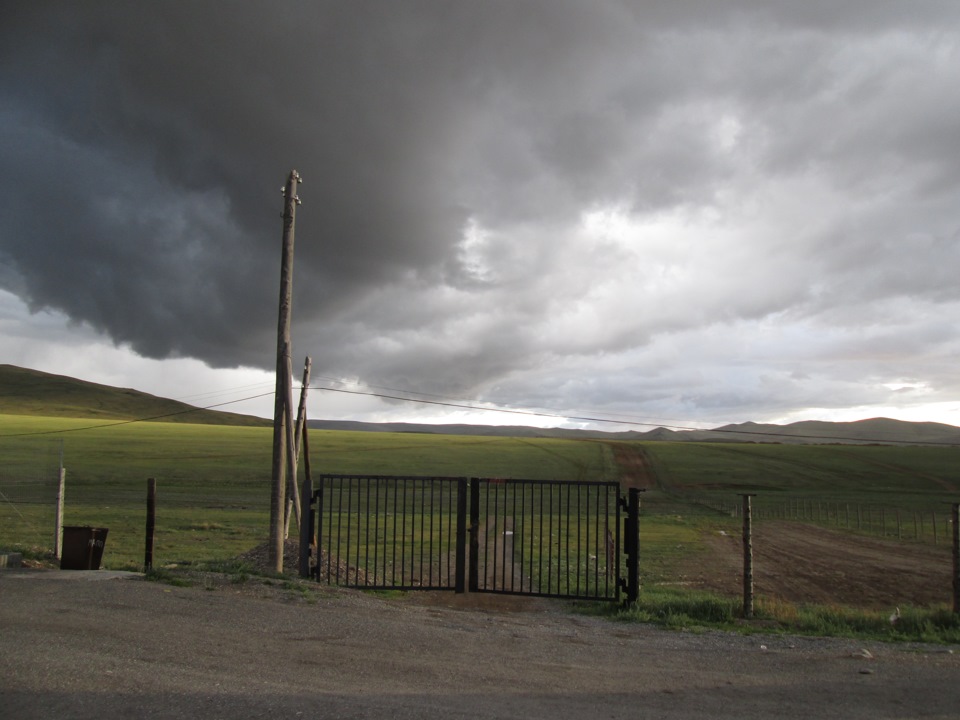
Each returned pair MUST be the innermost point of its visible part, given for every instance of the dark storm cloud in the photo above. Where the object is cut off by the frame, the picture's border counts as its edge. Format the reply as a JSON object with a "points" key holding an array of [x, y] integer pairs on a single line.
{"points": [[799, 154]]}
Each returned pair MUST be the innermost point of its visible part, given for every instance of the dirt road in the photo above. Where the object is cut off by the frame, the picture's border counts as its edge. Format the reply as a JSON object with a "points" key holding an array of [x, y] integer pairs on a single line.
{"points": [[86, 648]]}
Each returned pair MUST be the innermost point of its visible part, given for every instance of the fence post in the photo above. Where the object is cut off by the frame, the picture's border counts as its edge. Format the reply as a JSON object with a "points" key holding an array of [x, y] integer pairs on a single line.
{"points": [[747, 557], [151, 522], [631, 545], [58, 522]]}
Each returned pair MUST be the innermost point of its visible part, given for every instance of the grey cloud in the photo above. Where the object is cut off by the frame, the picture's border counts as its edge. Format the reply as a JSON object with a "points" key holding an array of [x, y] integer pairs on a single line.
{"points": [[145, 145]]}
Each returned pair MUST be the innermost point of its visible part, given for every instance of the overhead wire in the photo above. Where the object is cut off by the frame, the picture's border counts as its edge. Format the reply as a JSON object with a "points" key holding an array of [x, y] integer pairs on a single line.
{"points": [[462, 405]]}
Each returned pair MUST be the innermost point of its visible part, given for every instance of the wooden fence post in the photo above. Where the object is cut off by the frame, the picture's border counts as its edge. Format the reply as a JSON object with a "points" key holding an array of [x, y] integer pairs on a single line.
{"points": [[151, 523], [58, 520], [747, 557]]}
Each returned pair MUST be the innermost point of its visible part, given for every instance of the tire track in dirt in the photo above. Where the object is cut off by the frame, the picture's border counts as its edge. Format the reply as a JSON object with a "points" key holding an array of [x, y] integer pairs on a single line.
{"points": [[636, 469]]}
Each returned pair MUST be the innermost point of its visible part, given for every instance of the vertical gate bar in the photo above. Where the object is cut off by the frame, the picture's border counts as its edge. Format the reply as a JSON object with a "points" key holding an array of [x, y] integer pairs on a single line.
{"points": [[513, 554], [567, 531], [533, 532], [403, 534], [452, 524], [524, 513], [366, 549], [360, 521], [502, 534], [496, 505], [318, 494], [383, 524], [349, 524], [550, 544], [359, 524], [617, 547], [589, 542], [333, 561], [461, 536], [423, 510], [397, 565], [474, 532], [436, 508], [393, 529], [339, 526], [433, 511], [579, 529], [540, 555], [416, 491], [376, 532]]}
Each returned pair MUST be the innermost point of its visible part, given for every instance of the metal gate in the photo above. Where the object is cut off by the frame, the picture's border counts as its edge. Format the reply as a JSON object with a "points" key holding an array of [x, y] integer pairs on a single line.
{"points": [[526, 537]]}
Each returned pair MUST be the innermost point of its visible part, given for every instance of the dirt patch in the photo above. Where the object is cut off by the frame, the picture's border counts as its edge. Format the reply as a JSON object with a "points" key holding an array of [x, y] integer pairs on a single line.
{"points": [[803, 563], [635, 468]]}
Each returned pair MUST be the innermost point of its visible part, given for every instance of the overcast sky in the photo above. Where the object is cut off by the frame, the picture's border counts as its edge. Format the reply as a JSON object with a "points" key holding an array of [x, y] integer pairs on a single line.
{"points": [[681, 213]]}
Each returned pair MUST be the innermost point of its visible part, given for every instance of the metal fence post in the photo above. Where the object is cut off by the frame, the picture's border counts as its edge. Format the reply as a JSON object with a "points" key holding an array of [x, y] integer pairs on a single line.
{"points": [[631, 545]]}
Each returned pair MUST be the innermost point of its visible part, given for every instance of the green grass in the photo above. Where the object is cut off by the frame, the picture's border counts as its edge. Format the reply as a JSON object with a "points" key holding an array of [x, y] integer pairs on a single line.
{"points": [[697, 610], [918, 475], [214, 481]]}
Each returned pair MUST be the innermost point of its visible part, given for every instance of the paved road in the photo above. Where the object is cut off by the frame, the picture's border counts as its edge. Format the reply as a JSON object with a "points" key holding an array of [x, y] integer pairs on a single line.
{"points": [[92, 646]]}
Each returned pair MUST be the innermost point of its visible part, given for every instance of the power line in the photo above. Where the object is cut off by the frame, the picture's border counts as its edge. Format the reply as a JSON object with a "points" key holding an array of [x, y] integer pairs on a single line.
{"points": [[635, 423]]}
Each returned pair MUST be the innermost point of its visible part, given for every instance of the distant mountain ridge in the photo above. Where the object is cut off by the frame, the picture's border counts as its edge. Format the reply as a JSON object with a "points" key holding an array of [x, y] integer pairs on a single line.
{"points": [[32, 392], [872, 431]]}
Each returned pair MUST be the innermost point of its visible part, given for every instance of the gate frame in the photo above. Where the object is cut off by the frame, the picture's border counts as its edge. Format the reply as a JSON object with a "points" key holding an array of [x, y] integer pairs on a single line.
{"points": [[628, 544]]}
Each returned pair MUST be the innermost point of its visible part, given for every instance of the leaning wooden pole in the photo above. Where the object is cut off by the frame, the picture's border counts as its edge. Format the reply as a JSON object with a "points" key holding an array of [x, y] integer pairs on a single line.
{"points": [[306, 500], [294, 501], [293, 496], [278, 487]]}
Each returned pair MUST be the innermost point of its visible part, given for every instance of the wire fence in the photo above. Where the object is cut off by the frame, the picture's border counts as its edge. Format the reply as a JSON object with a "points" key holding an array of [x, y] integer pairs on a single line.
{"points": [[29, 484], [930, 523]]}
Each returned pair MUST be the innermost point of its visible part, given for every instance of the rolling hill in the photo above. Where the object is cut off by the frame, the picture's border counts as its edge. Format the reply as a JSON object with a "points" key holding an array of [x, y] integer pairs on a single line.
{"points": [[31, 392]]}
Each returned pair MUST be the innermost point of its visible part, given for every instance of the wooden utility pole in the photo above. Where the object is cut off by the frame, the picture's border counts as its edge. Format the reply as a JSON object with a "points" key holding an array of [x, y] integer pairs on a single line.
{"points": [[282, 397]]}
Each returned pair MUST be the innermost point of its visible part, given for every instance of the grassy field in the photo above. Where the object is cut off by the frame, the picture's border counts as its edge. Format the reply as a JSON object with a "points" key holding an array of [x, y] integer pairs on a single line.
{"points": [[904, 474], [214, 481]]}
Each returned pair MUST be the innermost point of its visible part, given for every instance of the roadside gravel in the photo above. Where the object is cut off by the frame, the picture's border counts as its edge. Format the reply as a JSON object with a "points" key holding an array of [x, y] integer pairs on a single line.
{"points": [[88, 645]]}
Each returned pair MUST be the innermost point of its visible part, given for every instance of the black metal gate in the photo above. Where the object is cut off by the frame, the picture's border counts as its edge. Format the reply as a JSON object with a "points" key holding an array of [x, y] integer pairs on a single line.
{"points": [[526, 537]]}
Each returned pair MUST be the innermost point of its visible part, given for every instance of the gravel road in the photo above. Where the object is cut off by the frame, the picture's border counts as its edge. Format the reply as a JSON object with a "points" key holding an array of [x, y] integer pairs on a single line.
{"points": [[98, 645]]}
